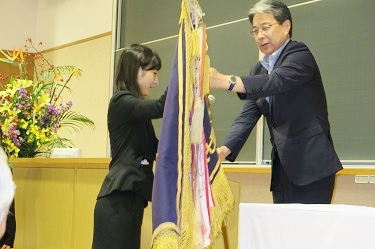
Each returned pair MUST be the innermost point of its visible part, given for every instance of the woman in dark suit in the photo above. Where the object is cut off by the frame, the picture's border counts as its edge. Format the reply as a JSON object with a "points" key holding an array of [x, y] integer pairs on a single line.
{"points": [[127, 187]]}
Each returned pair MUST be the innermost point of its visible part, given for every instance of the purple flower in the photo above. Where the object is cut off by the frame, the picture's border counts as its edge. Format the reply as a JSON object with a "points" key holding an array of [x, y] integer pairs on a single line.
{"points": [[19, 106], [14, 135], [22, 93], [52, 110], [17, 141], [11, 128]]}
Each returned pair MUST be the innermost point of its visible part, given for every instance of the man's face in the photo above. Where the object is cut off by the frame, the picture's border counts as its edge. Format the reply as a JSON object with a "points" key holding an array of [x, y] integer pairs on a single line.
{"points": [[268, 33]]}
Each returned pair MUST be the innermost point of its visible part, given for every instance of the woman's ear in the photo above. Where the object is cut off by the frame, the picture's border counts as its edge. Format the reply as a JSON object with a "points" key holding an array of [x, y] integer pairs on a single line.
{"points": [[141, 73]]}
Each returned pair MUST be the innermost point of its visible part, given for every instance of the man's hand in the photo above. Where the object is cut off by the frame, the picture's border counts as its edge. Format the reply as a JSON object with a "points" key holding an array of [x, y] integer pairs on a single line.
{"points": [[221, 81], [223, 152], [218, 80]]}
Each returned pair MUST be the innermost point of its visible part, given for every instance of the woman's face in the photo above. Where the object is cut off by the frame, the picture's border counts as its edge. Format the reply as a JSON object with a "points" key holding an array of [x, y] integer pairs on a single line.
{"points": [[147, 79]]}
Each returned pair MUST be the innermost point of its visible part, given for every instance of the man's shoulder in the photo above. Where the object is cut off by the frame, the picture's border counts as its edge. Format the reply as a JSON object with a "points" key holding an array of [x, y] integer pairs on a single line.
{"points": [[297, 50], [296, 45]]}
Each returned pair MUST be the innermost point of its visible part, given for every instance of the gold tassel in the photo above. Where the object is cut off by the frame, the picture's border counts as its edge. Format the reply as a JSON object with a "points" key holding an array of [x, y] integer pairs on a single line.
{"points": [[166, 239]]}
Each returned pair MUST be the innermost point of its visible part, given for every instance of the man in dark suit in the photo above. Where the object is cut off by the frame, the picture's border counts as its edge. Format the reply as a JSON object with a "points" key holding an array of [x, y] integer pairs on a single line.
{"points": [[285, 87]]}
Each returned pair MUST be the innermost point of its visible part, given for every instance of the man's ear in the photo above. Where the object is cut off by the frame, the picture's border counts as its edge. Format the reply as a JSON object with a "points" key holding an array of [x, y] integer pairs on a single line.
{"points": [[287, 26]]}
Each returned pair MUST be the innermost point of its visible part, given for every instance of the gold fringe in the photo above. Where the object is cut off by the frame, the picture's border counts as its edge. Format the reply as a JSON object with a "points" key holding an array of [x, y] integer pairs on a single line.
{"points": [[188, 222], [224, 203], [206, 85], [195, 45], [166, 239]]}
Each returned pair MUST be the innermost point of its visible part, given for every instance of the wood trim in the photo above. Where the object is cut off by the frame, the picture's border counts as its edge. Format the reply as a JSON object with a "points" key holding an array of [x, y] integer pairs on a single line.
{"points": [[260, 170], [102, 163], [64, 163], [77, 42]]}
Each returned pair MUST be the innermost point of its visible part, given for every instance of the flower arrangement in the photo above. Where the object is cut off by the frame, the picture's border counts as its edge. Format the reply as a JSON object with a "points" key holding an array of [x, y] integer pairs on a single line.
{"points": [[32, 111]]}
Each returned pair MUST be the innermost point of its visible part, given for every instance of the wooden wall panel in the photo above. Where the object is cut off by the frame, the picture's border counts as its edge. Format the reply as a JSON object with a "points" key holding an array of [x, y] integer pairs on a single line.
{"points": [[88, 183], [44, 208], [55, 200]]}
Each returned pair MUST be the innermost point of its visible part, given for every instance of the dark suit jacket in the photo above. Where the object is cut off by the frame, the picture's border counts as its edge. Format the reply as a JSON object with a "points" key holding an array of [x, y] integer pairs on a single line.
{"points": [[297, 115], [10, 230], [132, 139]]}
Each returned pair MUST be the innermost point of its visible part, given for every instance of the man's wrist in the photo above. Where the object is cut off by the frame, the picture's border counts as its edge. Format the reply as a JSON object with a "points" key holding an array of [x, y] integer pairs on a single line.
{"points": [[232, 82]]}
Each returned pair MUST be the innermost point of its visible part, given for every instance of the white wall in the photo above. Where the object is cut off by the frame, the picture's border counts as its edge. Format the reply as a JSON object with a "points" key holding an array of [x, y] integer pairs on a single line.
{"points": [[57, 23], [64, 21], [17, 22], [54, 23]]}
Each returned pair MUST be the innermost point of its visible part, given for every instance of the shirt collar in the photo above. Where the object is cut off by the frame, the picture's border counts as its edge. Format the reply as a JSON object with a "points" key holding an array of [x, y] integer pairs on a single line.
{"points": [[268, 61]]}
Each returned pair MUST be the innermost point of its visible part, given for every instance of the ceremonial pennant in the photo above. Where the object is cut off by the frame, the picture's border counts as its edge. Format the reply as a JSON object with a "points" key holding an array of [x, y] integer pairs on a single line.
{"points": [[191, 194]]}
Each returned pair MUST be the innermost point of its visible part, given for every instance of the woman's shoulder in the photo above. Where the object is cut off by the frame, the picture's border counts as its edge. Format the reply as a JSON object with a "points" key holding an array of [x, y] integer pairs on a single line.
{"points": [[122, 96]]}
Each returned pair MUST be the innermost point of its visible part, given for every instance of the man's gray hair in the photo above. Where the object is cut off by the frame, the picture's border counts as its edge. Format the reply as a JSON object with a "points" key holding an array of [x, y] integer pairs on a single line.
{"points": [[278, 9]]}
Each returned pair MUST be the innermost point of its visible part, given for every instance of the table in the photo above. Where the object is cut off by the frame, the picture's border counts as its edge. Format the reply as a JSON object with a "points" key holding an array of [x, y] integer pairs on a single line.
{"points": [[306, 226]]}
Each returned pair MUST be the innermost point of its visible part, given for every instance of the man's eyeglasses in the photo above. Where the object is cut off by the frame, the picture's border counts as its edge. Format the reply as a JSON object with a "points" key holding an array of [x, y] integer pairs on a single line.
{"points": [[263, 28]]}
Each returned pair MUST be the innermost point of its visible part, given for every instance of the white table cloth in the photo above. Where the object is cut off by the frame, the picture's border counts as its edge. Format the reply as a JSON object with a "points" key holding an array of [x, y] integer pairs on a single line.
{"points": [[301, 226]]}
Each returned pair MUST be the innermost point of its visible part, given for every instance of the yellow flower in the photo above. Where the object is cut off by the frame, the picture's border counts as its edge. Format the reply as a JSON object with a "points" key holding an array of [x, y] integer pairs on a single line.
{"points": [[14, 56], [42, 100], [23, 124], [14, 86], [33, 129], [58, 77], [3, 93], [6, 124], [31, 112], [12, 148], [5, 106], [24, 83], [76, 71]]}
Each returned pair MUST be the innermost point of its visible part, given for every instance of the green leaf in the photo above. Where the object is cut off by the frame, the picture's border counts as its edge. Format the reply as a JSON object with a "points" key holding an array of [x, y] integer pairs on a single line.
{"points": [[76, 121], [8, 61], [64, 70]]}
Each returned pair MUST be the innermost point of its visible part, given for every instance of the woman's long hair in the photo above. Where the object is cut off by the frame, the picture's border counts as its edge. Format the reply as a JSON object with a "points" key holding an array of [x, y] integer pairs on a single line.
{"points": [[132, 58]]}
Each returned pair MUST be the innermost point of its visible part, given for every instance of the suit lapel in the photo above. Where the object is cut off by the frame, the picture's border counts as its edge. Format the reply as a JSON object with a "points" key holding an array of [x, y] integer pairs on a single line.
{"points": [[277, 63]]}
